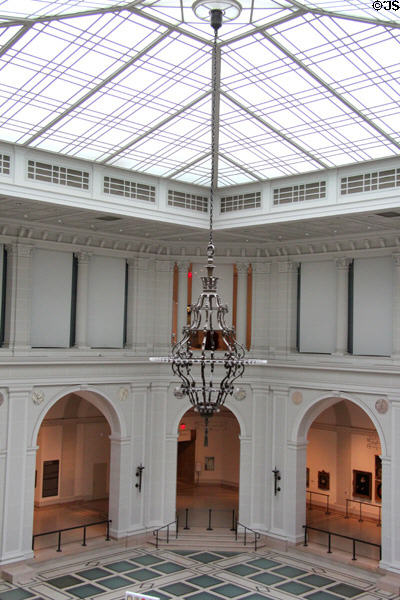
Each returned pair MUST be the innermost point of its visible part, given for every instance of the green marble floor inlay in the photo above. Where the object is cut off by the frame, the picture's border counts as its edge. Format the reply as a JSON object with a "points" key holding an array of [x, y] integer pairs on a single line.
{"points": [[204, 581], [242, 570], [289, 571], [178, 589], [157, 594], [264, 563], [256, 596], [293, 587], [322, 595], [203, 596], [146, 559], [316, 580], [85, 591], [120, 566], [64, 581], [17, 594], [113, 583], [168, 567], [267, 578], [230, 590], [205, 557], [343, 589], [143, 575], [94, 573]]}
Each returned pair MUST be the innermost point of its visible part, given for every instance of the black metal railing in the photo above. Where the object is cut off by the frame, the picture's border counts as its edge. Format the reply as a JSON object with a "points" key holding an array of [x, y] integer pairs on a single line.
{"points": [[319, 494], [257, 535], [340, 535], [167, 526], [378, 506], [61, 531]]}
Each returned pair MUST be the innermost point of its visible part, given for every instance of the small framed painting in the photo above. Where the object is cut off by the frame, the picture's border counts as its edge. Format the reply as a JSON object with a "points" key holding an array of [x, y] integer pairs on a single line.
{"points": [[323, 480], [209, 463], [362, 484], [307, 477]]}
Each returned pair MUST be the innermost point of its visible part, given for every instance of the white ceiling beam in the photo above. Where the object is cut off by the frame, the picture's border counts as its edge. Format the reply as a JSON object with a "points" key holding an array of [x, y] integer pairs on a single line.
{"points": [[155, 127], [17, 36], [11, 22], [188, 165], [331, 90], [274, 130], [241, 167], [96, 88], [261, 28], [159, 21]]}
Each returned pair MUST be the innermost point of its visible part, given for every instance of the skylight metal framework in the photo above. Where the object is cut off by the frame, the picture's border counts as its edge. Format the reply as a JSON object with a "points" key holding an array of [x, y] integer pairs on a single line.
{"points": [[304, 85]]}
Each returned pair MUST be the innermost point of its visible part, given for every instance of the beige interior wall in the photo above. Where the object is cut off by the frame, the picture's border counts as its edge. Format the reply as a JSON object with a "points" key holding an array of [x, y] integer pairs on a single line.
{"points": [[77, 434]]}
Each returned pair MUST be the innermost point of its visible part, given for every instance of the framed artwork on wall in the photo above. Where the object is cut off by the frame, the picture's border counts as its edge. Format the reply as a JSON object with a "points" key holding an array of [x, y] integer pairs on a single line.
{"points": [[378, 491], [323, 480], [378, 467], [362, 484], [209, 464], [307, 477]]}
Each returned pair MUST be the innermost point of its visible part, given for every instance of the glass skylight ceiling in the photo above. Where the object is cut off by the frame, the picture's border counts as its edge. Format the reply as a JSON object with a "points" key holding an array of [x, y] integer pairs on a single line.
{"points": [[304, 85]]}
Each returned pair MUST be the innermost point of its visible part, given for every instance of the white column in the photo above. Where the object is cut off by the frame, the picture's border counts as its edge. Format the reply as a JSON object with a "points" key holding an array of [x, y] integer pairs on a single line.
{"points": [[293, 490], [287, 301], [396, 307], [245, 480], [143, 306], [183, 268], [120, 485], [82, 308], [278, 457], [19, 297], [171, 457], [130, 320], [258, 470], [342, 283], [162, 302], [18, 488], [241, 314], [139, 433], [261, 308], [157, 484], [386, 516]]}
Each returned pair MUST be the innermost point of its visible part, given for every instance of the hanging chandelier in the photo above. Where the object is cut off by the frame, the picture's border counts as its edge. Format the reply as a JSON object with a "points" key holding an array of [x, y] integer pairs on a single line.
{"points": [[208, 359]]}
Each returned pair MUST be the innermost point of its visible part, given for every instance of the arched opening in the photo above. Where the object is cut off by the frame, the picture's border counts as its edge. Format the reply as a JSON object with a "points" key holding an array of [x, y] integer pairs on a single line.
{"points": [[72, 469], [344, 477], [208, 475]]}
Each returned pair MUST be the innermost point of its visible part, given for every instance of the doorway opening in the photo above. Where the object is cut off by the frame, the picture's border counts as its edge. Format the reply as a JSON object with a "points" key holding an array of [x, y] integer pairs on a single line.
{"points": [[72, 470], [344, 478], [208, 476]]}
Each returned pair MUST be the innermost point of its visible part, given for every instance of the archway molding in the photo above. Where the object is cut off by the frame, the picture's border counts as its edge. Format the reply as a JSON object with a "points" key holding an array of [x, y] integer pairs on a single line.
{"points": [[183, 410], [309, 413], [98, 398]]}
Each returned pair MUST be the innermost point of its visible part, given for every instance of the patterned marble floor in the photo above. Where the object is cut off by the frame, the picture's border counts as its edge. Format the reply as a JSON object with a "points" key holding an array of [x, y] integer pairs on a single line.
{"points": [[194, 575]]}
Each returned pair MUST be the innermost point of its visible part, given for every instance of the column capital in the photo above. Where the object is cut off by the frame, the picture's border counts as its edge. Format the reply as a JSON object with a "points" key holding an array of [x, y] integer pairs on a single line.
{"points": [[83, 257], [19, 249], [242, 268], [164, 266], [183, 266], [396, 258], [262, 268], [343, 263], [288, 266]]}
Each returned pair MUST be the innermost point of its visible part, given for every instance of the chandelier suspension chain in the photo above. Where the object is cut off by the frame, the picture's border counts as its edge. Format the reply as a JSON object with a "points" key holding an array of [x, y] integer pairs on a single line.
{"points": [[213, 134]]}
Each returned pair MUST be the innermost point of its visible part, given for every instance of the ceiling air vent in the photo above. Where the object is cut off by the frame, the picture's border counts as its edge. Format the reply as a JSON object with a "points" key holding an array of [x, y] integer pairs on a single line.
{"points": [[129, 189], [369, 182], [4, 164], [390, 214], [185, 200], [108, 218], [300, 193], [59, 175], [240, 202]]}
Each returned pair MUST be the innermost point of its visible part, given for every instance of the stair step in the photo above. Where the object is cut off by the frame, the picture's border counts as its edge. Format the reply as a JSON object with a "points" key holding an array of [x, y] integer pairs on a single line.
{"points": [[199, 538]]}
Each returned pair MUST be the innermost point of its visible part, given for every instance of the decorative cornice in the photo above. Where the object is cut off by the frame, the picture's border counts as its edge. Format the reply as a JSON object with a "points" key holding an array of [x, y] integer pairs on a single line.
{"points": [[261, 268], [342, 263]]}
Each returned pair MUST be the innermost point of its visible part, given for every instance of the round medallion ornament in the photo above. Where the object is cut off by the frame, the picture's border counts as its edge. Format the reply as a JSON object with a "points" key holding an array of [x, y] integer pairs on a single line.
{"points": [[297, 397], [382, 406], [37, 397], [178, 393], [239, 394]]}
